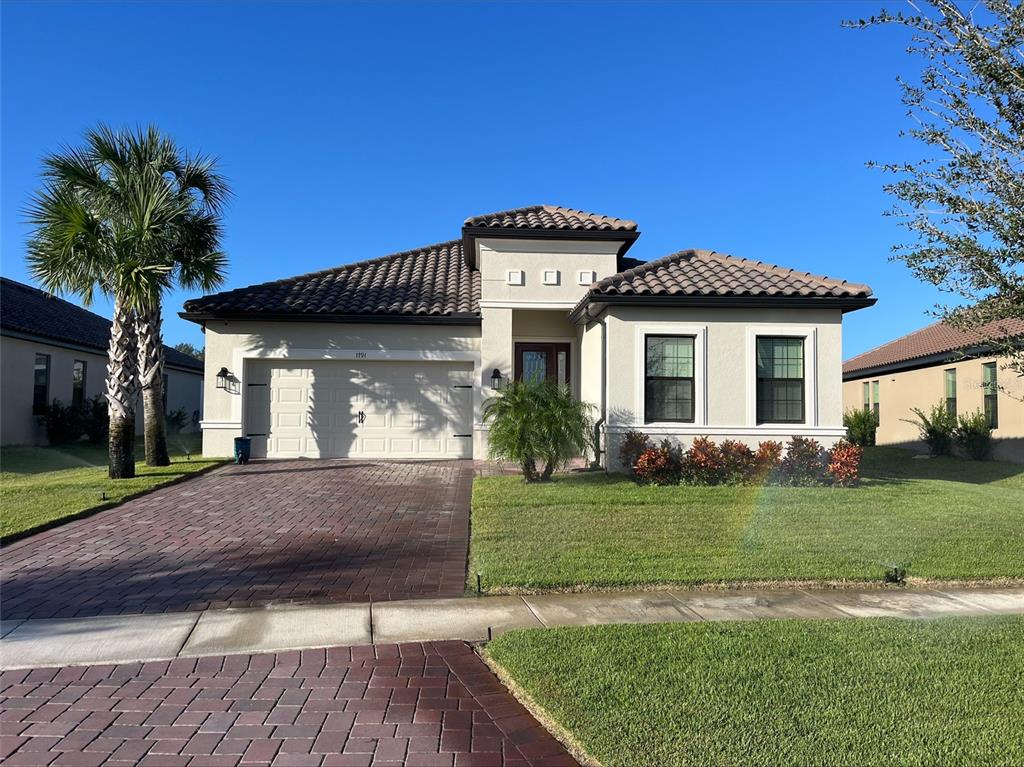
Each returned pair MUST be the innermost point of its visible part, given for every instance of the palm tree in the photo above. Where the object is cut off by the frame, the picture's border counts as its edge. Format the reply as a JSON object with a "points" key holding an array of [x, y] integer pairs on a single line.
{"points": [[129, 215], [537, 421]]}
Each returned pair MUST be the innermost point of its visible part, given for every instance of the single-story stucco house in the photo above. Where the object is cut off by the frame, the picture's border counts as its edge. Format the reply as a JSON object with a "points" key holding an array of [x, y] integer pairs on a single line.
{"points": [[941, 364], [54, 350], [395, 356]]}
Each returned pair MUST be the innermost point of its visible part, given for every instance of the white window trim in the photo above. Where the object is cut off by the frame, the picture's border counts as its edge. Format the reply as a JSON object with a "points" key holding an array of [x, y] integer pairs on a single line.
{"points": [[700, 369], [809, 333]]}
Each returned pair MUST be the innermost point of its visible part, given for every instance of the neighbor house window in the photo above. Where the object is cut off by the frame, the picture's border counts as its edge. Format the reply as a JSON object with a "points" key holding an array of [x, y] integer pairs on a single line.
{"points": [[41, 384], [867, 396], [950, 376], [991, 389], [78, 383], [780, 379], [874, 399], [668, 378]]}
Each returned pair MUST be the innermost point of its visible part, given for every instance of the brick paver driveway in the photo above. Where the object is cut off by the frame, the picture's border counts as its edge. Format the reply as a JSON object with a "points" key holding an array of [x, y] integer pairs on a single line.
{"points": [[248, 535], [416, 704]]}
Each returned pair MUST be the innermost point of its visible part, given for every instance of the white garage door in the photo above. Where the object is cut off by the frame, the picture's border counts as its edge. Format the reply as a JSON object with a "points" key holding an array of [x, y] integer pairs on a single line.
{"points": [[336, 409]]}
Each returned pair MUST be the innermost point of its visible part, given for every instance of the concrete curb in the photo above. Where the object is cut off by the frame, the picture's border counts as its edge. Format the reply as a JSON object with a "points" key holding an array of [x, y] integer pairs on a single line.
{"points": [[136, 638]]}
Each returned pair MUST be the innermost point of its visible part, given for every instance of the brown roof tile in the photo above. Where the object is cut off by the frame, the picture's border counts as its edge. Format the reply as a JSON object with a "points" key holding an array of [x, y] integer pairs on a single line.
{"points": [[938, 338], [426, 282], [551, 217], [706, 273]]}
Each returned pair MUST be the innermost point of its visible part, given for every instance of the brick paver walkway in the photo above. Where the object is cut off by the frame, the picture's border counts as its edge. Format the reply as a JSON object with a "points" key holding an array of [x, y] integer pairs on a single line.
{"points": [[248, 535], [415, 704]]}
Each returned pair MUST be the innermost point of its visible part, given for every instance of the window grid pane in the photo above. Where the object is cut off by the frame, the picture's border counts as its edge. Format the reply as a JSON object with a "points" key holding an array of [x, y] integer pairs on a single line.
{"points": [[668, 379], [780, 380]]}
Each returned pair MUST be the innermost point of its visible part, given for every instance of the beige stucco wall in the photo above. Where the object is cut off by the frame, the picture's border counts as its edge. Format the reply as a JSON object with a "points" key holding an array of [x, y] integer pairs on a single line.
{"points": [[17, 424], [533, 257], [725, 376], [230, 343], [900, 393]]}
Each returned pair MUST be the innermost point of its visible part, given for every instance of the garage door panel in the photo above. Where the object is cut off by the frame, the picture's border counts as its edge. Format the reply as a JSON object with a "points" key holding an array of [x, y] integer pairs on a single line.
{"points": [[411, 409]]}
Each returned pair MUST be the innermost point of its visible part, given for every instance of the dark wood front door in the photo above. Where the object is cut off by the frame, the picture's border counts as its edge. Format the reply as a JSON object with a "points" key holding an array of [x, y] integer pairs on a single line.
{"points": [[543, 361]]}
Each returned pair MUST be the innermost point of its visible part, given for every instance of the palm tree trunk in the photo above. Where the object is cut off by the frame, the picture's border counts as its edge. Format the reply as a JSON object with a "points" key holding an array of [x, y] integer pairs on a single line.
{"points": [[148, 326], [122, 389]]}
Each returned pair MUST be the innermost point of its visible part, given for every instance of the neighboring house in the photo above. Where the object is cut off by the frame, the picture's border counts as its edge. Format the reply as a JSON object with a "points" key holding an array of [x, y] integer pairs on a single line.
{"points": [[940, 364], [54, 350], [395, 356]]}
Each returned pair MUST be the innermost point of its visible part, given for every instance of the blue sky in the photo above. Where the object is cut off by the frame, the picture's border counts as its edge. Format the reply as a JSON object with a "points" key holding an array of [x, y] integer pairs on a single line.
{"points": [[352, 131]]}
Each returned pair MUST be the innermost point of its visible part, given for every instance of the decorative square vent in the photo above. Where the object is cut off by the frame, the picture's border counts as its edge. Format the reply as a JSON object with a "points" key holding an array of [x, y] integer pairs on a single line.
{"points": [[515, 277], [587, 277], [551, 276]]}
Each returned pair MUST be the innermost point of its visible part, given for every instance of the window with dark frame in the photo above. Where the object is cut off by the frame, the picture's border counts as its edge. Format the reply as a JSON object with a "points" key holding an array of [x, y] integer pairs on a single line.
{"points": [[780, 379], [78, 369], [668, 379], [41, 384], [990, 385], [950, 379], [874, 401]]}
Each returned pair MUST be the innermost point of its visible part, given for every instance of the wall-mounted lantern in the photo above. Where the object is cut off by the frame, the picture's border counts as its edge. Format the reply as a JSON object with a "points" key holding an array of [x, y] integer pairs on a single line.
{"points": [[222, 378], [496, 379]]}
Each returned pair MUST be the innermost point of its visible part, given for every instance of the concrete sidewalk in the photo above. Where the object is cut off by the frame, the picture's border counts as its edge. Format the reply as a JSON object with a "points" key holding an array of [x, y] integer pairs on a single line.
{"points": [[130, 638]]}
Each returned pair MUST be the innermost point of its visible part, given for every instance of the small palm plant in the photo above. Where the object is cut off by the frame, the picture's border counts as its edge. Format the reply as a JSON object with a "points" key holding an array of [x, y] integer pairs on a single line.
{"points": [[128, 214], [534, 423]]}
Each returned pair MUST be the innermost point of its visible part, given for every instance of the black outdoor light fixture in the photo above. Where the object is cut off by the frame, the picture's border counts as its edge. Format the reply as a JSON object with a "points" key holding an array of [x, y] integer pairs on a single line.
{"points": [[496, 379], [222, 378]]}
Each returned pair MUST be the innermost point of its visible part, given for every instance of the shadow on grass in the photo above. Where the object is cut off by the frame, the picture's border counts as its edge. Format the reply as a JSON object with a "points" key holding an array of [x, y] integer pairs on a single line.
{"points": [[892, 465]]}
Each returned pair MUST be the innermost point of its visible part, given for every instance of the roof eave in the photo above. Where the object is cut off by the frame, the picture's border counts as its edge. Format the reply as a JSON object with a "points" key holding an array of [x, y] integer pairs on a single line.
{"points": [[595, 303], [471, 233], [916, 363], [469, 318]]}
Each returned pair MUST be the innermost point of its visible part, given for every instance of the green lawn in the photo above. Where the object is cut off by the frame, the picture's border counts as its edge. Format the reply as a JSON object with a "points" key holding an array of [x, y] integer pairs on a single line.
{"points": [[948, 518], [39, 485], [866, 692]]}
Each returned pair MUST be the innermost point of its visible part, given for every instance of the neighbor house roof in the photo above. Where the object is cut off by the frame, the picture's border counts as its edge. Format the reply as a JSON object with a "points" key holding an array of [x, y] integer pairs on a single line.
{"points": [[689, 275], [934, 344], [29, 311], [550, 217], [431, 283]]}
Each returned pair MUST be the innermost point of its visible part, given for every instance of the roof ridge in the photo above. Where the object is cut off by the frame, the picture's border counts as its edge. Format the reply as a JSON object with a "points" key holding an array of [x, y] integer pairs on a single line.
{"points": [[892, 341], [510, 211], [647, 266], [332, 269]]}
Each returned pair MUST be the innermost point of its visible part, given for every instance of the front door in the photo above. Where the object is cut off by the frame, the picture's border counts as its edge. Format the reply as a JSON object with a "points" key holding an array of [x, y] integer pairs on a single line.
{"points": [[542, 361]]}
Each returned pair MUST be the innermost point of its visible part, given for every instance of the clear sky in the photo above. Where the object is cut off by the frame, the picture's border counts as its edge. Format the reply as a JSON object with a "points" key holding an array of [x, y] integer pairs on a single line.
{"points": [[352, 131]]}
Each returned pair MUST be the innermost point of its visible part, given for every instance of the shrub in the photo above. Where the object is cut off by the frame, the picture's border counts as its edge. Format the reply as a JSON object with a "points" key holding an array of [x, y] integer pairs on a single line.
{"points": [[703, 463], [861, 426], [176, 420], [658, 465], [936, 428], [634, 443], [974, 435], [767, 459], [63, 424], [537, 422], [96, 419], [739, 466], [844, 463], [804, 463]]}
